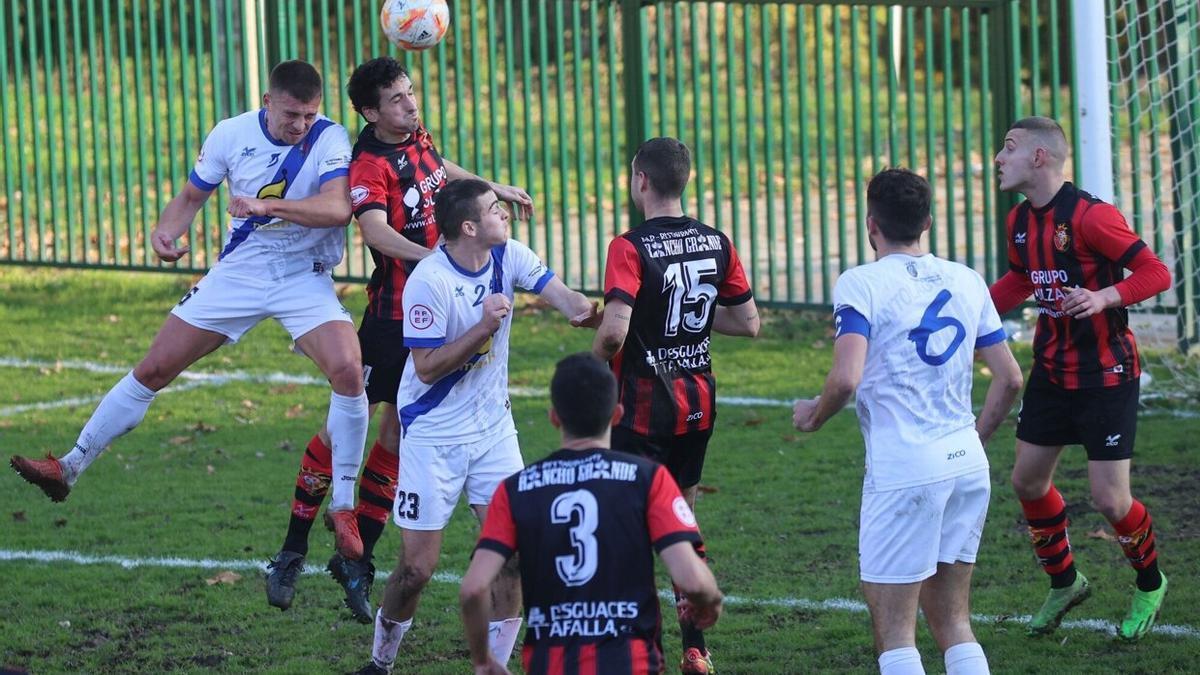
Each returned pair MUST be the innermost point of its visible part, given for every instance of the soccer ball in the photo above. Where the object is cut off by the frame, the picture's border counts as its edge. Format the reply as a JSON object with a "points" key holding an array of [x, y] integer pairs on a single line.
{"points": [[415, 24]]}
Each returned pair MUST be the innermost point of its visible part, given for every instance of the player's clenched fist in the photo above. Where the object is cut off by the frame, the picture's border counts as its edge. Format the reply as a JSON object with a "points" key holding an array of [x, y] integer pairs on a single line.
{"points": [[495, 307], [244, 207]]}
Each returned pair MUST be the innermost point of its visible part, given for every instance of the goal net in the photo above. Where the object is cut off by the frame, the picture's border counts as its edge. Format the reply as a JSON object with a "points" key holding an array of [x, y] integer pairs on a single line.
{"points": [[1154, 74]]}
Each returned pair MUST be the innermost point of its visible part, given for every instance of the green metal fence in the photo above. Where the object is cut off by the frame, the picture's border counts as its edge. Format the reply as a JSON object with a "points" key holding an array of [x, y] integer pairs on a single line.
{"points": [[788, 106]]}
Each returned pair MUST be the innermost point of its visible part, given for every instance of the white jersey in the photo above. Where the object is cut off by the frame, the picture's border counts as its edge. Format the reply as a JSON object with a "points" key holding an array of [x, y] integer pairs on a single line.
{"points": [[923, 318], [241, 152], [442, 301]]}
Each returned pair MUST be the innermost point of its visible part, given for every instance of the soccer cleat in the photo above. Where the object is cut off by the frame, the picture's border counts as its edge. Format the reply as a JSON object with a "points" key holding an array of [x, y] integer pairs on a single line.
{"points": [[695, 661], [1143, 612], [344, 525], [1057, 604], [44, 473], [356, 577], [371, 669], [281, 578]]}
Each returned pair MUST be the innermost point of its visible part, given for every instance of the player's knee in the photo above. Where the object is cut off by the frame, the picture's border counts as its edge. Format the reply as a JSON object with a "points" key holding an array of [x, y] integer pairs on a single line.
{"points": [[1029, 487], [1112, 506], [346, 377], [153, 373]]}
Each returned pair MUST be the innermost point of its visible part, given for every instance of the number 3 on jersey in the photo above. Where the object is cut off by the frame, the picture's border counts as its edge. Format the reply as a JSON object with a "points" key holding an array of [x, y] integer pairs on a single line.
{"points": [[577, 568], [932, 323], [682, 282]]}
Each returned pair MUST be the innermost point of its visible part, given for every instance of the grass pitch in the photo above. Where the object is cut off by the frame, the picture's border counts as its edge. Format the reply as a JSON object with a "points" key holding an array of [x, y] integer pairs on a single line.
{"points": [[209, 475]]}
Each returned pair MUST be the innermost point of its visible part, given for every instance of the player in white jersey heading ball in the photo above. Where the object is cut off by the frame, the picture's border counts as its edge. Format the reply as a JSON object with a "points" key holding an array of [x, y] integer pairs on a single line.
{"points": [[455, 419], [906, 328], [286, 167]]}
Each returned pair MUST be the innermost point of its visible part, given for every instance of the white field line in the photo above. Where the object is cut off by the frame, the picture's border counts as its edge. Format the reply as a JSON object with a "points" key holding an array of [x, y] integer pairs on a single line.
{"points": [[829, 605], [199, 378]]}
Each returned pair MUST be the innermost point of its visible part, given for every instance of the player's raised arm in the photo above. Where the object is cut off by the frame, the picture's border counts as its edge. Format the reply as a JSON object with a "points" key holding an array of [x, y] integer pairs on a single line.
{"points": [[571, 304], [175, 220], [518, 197]]}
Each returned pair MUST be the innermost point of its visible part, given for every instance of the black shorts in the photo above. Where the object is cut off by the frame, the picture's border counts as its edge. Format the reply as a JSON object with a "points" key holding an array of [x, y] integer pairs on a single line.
{"points": [[682, 455], [1103, 420], [383, 356]]}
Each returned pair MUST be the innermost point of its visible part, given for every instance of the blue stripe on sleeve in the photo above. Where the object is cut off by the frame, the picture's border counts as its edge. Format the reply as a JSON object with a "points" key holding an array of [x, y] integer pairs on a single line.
{"points": [[995, 337], [424, 343], [846, 319], [199, 182], [336, 173], [541, 283]]}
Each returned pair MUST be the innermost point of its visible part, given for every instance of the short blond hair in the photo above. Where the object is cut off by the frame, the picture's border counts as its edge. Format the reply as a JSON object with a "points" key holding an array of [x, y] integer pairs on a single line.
{"points": [[1048, 133]]}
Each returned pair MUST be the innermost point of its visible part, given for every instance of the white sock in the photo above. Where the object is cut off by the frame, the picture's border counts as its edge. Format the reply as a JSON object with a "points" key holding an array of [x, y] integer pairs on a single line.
{"points": [[502, 637], [121, 409], [388, 635], [347, 424], [966, 658], [902, 661]]}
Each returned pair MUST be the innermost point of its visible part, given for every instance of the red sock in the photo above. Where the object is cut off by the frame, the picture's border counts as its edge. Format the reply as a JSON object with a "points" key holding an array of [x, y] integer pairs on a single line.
{"points": [[1135, 533], [377, 488], [312, 482], [1047, 518]]}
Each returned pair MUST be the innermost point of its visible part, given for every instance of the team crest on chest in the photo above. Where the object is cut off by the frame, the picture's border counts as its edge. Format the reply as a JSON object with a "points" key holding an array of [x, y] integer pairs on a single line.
{"points": [[1062, 237]]}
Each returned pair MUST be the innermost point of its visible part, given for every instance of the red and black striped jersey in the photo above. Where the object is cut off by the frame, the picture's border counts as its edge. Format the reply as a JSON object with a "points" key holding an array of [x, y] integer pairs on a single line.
{"points": [[671, 270], [586, 524], [400, 179], [1076, 240]]}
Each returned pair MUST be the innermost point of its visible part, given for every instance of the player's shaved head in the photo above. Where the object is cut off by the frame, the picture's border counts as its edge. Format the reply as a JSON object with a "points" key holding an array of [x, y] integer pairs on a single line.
{"points": [[297, 79], [1045, 133], [583, 393], [667, 163], [458, 202], [898, 200]]}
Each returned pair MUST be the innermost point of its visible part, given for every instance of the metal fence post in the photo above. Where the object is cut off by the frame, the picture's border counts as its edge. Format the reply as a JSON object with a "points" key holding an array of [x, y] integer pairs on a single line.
{"points": [[1006, 89], [633, 36]]}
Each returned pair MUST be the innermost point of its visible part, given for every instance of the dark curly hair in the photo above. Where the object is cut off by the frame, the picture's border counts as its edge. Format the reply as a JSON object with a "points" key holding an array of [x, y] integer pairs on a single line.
{"points": [[368, 78], [898, 200]]}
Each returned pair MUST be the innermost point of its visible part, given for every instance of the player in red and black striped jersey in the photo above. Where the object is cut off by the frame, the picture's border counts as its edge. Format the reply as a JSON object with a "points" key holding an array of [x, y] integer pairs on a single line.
{"points": [[395, 171], [1069, 250], [668, 284], [586, 522]]}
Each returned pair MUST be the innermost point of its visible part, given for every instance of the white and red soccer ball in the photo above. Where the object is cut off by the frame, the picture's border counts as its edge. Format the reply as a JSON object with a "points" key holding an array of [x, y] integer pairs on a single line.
{"points": [[415, 24]]}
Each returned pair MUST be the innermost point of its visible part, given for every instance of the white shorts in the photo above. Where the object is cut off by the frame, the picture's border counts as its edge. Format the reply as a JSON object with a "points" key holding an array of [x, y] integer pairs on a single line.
{"points": [[433, 477], [230, 302], [905, 533]]}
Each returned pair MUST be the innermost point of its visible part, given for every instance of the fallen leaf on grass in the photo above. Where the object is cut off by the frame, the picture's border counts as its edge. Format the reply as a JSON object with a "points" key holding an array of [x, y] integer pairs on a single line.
{"points": [[1101, 533], [19, 516], [113, 318], [211, 470], [203, 428], [179, 440], [65, 624], [286, 446], [753, 421], [294, 411], [248, 404], [284, 389], [707, 489], [60, 522], [226, 577]]}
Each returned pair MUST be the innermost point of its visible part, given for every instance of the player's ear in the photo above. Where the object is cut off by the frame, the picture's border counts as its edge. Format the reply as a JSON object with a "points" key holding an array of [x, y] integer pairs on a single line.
{"points": [[618, 413], [267, 99], [371, 114], [554, 420], [928, 224]]}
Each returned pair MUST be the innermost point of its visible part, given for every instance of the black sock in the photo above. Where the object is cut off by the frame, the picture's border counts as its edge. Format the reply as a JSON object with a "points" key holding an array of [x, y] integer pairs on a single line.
{"points": [[1064, 578], [1149, 579], [370, 530], [297, 535]]}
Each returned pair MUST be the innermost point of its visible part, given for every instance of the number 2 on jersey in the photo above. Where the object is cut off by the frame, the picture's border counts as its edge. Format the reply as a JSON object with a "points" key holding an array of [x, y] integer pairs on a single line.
{"points": [[579, 567], [932, 323], [682, 282]]}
